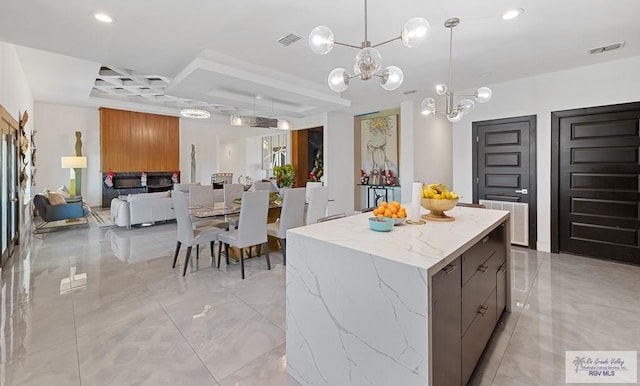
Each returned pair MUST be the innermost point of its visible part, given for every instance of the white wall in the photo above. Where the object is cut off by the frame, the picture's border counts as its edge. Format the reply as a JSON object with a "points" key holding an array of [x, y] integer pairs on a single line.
{"points": [[15, 93], [232, 157], [602, 84], [203, 135], [338, 144], [55, 137]]}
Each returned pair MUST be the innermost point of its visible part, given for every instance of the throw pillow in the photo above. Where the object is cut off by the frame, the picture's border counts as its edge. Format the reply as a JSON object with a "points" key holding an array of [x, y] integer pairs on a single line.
{"points": [[64, 191], [56, 198]]}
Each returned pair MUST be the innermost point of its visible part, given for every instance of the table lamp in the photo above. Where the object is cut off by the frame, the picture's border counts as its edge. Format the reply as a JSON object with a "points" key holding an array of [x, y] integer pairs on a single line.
{"points": [[72, 163]]}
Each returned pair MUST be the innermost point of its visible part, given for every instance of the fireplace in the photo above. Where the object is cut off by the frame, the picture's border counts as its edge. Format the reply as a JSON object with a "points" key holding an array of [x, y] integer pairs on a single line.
{"points": [[125, 183]]}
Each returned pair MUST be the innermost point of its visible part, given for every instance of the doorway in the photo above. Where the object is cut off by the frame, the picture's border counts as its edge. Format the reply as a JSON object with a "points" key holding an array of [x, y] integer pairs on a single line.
{"points": [[504, 166], [9, 185], [595, 178], [307, 155]]}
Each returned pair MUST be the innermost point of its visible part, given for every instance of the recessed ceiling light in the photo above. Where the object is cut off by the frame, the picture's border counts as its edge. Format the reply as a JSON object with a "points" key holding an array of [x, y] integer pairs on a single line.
{"points": [[195, 113], [484, 74], [103, 17], [512, 14]]}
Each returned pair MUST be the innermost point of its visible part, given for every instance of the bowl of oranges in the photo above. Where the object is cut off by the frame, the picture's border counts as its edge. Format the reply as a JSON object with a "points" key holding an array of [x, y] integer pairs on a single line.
{"points": [[391, 210]]}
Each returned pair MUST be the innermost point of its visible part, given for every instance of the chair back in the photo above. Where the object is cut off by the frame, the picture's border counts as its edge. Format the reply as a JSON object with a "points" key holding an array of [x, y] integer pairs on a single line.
{"points": [[201, 195], [318, 200], [310, 185], [183, 220], [292, 214], [264, 185], [231, 192], [252, 228]]}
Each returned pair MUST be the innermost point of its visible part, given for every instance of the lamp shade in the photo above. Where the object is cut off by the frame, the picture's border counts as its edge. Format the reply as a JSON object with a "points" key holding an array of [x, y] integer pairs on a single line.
{"points": [[73, 162]]}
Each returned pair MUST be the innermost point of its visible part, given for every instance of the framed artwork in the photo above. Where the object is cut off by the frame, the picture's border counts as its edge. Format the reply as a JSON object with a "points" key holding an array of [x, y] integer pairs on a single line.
{"points": [[379, 149]]}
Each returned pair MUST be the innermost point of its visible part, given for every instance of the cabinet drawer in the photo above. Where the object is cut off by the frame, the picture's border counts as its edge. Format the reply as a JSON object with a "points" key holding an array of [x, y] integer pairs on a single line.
{"points": [[477, 336], [479, 253], [478, 288]]}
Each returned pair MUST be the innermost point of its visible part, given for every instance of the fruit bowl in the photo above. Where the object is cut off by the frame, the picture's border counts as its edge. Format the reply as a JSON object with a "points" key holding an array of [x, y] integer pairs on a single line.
{"points": [[437, 208], [381, 224], [399, 220]]}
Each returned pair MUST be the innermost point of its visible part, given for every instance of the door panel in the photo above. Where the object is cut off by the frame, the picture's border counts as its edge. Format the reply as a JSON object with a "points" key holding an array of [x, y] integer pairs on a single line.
{"points": [[504, 164], [596, 182]]}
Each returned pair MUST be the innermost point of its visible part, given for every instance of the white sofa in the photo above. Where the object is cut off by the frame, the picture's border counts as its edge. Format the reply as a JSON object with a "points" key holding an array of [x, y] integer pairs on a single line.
{"points": [[142, 208]]}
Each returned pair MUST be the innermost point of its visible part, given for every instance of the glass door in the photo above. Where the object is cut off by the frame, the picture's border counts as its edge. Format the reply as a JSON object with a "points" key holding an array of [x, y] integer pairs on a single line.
{"points": [[4, 192], [9, 185]]}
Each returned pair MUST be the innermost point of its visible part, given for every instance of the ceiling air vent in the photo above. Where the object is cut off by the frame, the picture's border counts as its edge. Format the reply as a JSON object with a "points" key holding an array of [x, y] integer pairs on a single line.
{"points": [[410, 92], [610, 47], [289, 39]]}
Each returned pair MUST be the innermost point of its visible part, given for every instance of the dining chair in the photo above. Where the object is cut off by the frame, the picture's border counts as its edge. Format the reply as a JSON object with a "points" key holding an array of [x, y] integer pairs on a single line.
{"points": [[204, 196], [232, 192], [317, 207], [186, 233], [252, 230], [310, 185], [264, 185], [291, 216]]}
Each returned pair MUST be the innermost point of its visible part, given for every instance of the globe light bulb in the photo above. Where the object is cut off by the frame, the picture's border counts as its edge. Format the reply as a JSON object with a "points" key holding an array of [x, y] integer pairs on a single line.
{"points": [[455, 116], [441, 89], [428, 107], [483, 95], [321, 40], [339, 79], [368, 62], [415, 31], [466, 106], [391, 78]]}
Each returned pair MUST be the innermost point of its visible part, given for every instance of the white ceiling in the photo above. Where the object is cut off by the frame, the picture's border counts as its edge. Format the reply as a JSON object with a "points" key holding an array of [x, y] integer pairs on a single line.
{"points": [[225, 52]]}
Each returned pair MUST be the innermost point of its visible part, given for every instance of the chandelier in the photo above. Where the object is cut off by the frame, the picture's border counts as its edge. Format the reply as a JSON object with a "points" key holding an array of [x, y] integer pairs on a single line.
{"points": [[262, 122], [465, 106], [368, 62]]}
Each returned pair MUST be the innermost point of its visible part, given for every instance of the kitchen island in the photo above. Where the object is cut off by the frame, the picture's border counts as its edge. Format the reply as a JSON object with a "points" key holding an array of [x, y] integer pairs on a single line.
{"points": [[413, 306]]}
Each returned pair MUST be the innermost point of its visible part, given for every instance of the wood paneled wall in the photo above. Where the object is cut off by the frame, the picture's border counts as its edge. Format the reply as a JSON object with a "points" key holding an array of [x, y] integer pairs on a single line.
{"points": [[132, 141]]}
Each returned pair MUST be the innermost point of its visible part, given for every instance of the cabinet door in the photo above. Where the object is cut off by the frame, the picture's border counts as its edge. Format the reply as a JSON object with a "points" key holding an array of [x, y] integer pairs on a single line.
{"points": [[501, 289], [446, 319]]}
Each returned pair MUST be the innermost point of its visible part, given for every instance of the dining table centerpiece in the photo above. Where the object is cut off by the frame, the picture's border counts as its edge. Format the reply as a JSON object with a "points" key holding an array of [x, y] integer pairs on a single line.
{"points": [[285, 175]]}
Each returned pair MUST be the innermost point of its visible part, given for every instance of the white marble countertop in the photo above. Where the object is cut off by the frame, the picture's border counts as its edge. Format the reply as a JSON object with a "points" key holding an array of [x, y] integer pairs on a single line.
{"points": [[429, 246]]}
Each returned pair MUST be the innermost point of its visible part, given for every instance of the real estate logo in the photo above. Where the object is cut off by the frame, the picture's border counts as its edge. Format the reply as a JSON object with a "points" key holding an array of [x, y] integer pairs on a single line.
{"points": [[601, 366]]}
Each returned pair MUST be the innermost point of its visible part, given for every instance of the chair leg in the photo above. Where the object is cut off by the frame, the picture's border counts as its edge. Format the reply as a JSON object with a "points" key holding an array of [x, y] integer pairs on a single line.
{"points": [[198, 252], [219, 253], [266, 254], [259, 247], [186, 261], [284, 251], [242, 262], [175, 257], [226, 252], [212, 243]]}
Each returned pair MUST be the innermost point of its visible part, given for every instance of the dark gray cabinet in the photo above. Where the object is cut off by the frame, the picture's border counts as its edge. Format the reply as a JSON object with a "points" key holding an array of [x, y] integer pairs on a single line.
{"points": [[468, 297], [445, 306]]}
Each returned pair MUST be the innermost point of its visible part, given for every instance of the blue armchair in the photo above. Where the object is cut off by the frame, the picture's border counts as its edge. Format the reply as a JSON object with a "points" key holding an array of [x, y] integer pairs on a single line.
{"points": [[49, 213]]}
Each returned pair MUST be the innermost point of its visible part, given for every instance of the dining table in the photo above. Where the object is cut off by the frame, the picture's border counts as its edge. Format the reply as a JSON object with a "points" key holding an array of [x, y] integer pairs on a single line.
{"points": [[221, 211]]}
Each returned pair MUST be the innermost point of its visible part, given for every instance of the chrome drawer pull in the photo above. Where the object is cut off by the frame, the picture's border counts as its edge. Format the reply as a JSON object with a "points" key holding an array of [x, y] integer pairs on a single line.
{"points": [[483, 268], [483, 310], [485, 239], [449, 268], [503, 268]]}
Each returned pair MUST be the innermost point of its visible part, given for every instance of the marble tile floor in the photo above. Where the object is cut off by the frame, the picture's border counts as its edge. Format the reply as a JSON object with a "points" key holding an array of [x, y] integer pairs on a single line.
{"points": [[102, 306]]}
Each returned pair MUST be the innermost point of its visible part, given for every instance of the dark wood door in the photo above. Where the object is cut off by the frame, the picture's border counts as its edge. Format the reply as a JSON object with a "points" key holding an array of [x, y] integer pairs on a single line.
{"points": [[595, 182], [504, 163]]}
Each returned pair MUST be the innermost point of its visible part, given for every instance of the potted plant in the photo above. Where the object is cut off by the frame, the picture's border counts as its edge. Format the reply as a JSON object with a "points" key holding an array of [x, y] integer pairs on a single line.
{"points": [[285, 175]]}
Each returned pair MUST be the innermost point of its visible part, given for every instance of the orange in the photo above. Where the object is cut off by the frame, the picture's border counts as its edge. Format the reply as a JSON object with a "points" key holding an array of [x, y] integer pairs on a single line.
{"points": [[387, 213], [394, 216], [402, 214], [379, 215], [383, 204], [393, 209]]}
